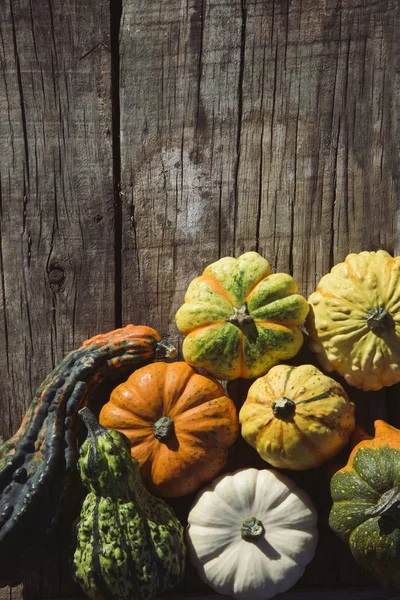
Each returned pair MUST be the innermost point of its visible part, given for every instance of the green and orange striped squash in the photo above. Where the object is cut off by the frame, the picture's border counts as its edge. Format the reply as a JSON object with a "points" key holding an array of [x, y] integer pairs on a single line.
{"points": [[296, 417], [239, 319]]}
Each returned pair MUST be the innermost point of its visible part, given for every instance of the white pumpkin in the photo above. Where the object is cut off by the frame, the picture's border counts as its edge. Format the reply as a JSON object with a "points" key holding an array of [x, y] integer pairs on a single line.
{"points": [[251, 533]]}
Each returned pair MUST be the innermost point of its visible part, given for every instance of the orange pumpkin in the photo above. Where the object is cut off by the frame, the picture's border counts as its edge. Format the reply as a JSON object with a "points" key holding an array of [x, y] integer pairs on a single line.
{"points": [[180, 425]]}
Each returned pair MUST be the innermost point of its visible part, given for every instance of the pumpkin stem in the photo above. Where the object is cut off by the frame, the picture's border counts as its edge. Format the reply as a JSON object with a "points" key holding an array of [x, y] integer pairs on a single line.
{"points": [[387, 506], [284, 408], [165, 350], [164, 429], [240, 315], [92, 424], [379, 319], [251, 529]]}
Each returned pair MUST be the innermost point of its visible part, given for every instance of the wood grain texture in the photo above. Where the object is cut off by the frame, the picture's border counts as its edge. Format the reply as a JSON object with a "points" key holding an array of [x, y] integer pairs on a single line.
{"points": [[56, 231], [179, 113], [268, 126], [15, 593], [318, 157], [244, 125]]}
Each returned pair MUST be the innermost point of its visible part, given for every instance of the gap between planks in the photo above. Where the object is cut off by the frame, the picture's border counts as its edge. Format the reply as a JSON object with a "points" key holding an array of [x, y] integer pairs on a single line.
{"points": [[14, 593]]}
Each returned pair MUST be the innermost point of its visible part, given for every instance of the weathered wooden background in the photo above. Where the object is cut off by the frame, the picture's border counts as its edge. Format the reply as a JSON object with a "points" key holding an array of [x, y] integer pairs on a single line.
{"points": [[140, 142]]}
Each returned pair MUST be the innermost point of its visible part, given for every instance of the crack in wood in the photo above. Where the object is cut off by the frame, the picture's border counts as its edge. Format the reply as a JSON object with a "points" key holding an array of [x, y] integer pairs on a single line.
{"points": [[115, 26]]}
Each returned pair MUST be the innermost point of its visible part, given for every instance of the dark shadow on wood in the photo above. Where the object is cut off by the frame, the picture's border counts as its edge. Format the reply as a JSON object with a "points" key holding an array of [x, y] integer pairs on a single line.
{"points": [[115, 25]]}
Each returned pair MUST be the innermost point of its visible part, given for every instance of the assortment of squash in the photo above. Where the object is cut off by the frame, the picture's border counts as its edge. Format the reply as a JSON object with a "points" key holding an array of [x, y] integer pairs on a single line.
{"points": [[166, 430], [37, 463]]}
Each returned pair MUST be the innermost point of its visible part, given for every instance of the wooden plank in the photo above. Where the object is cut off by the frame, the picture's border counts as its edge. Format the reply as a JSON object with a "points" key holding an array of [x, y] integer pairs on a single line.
{"points": [[318, 156], [180, 66], [57, 237]]}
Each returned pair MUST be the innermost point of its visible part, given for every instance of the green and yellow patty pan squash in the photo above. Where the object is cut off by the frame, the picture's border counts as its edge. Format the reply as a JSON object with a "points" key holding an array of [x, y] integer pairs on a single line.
{"points": [[366, 504], [129, 545], [355, 320], [239, 319], [296, 417]]}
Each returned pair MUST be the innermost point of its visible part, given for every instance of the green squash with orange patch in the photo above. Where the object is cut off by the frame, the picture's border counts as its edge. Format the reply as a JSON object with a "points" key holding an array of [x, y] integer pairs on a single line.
{"points": [[296, 417], [239, 319], [366, 504]]}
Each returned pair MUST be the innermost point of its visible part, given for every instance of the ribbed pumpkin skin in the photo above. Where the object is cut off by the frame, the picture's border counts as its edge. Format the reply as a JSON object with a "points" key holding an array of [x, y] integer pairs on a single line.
{"points": [[254, 563], [205, 425], [36, 464], [128, 543], [318, 424], [373, 470], [345, 334], [239, 320]]}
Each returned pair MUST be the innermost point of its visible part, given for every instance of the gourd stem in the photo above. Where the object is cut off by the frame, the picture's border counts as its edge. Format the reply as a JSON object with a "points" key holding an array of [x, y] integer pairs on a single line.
{"points": [[240, 316], [165, 350], [92, 424], [283, 408], [379, 319], [164, 429], [251, 529], [387, 506]]}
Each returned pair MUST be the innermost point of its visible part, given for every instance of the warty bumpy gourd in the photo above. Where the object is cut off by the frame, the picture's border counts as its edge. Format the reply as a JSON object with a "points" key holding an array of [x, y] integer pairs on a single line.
{"points": [[129, 544]]}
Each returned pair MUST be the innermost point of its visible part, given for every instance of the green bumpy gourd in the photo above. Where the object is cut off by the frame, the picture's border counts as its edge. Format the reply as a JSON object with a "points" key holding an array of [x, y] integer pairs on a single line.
{"points": [[129, 544]]}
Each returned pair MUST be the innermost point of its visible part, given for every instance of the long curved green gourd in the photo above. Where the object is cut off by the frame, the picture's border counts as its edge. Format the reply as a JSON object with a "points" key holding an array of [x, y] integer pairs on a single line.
{"points": [[129, 544], [37, 462]]}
